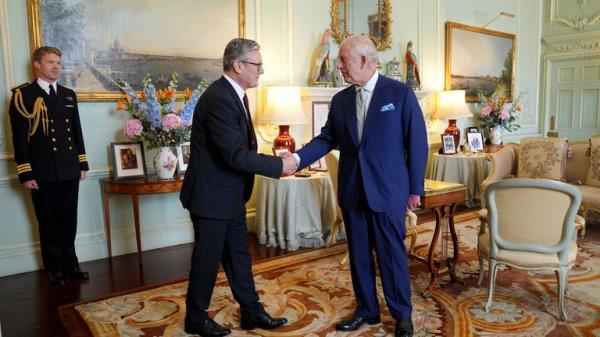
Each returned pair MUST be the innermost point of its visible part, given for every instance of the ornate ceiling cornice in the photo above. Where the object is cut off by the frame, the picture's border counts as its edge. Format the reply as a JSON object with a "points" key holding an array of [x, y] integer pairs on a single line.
{"points": [[580, 22]]}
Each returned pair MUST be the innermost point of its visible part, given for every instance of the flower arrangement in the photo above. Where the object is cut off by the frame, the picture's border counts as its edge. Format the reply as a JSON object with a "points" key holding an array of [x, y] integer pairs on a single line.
{"points": [[155, 115], [497, 111]]}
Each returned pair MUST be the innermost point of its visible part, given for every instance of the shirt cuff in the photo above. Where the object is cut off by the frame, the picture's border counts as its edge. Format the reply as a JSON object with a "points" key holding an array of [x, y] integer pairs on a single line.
{"points": [[297, 157]]}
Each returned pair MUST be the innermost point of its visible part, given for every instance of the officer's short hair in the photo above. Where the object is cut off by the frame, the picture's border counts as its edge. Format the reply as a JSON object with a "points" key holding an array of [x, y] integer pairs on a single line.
{"points": [[39, 53], [237, 48]]}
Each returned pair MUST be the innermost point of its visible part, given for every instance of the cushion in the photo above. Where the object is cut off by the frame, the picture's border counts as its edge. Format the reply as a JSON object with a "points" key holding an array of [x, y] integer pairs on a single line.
{"points": [[593, 176], [543, 158]]}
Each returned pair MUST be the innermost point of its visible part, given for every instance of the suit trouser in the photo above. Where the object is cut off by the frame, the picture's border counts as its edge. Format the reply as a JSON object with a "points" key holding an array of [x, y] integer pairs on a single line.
{"points": [[55, 204], [225, 242], [383, 232]]}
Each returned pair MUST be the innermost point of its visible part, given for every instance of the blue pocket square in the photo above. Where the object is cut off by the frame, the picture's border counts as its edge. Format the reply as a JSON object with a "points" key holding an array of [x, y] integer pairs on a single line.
{"points": [[388, 107]]}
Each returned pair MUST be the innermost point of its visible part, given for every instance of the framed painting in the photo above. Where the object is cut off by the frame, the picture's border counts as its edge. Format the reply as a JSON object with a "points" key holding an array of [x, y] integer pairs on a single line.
{"points": [[128, 160], [479, 59], [105, 41]]}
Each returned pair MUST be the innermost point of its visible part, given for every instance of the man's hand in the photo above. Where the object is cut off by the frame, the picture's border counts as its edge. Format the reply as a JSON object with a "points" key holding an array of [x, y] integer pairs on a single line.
{"points": [[82, 175], [290, 165], [413, 201], [30, 184]]}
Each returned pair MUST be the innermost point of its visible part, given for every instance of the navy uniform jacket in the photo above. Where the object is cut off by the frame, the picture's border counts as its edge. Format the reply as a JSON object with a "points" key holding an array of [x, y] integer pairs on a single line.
{"points": [[389, 162], [55, 152]]}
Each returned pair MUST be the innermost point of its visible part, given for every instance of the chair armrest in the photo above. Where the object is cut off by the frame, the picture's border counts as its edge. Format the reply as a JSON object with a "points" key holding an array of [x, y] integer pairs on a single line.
{"points": [[503, 165]]}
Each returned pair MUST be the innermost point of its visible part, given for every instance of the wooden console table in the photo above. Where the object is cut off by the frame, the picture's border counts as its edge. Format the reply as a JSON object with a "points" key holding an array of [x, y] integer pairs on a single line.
{"points": [[442, 197], [135, 188]]}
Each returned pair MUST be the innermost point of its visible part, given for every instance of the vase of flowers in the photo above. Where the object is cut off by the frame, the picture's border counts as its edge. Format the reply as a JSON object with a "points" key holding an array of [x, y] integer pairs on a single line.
{"points": [[159, 119], [498, 114]]}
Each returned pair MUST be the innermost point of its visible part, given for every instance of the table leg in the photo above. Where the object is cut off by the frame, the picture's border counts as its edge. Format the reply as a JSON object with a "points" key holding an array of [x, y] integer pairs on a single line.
{"points": [[106, 206], [136, 218], [431, 263], [452, 263]]}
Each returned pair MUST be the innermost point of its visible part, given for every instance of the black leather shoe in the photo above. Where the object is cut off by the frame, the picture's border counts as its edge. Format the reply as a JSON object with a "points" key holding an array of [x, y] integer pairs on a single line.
{"points": [[78, 274], [404, 327], [260, 319], [206, 328], [353, 323], [56, 278]]}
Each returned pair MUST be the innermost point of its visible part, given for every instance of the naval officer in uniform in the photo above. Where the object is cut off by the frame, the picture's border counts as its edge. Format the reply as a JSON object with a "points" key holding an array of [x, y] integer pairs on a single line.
{"points": [[51, 160]]}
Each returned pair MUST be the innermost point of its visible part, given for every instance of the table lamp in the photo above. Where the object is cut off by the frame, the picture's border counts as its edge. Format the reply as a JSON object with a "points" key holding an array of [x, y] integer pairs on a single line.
{"points": [[284, 109], [451, 105]]}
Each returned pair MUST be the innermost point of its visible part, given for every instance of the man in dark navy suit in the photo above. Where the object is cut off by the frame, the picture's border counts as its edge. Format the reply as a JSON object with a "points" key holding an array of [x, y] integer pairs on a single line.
{"points": [[380, 131], [51, 160], [218, 182]]}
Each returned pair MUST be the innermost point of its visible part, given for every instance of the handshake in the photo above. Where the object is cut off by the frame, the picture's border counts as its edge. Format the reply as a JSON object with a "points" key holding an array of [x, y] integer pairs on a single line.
{"points": [[290, 165]]}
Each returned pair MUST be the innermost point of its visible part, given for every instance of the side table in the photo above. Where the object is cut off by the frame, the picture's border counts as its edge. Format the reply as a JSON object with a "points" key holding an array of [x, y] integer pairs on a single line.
{"points": [[135, 188]]}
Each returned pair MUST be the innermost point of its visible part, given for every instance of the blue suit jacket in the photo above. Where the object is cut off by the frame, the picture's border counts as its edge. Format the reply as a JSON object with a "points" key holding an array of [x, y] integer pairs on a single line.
{"points": [[389, 161]]}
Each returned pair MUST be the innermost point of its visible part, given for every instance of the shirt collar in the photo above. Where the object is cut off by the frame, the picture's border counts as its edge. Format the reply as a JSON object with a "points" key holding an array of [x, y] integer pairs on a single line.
{"points": [[238, 89], [46, 85], [370, 85]]}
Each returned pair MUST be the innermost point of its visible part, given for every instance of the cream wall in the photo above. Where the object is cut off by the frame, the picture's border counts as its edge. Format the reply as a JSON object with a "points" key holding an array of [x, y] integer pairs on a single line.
{"points": [[288, 31]]}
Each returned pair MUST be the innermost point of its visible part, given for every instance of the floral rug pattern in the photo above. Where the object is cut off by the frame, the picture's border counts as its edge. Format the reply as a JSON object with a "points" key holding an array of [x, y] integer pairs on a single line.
{"points": [[315, 292]]}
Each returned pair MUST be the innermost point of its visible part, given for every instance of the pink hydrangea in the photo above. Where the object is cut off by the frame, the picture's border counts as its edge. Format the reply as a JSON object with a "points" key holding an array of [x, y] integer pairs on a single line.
{"points": [[486, 110], [171, 122], [132, 128], [504, 114]]}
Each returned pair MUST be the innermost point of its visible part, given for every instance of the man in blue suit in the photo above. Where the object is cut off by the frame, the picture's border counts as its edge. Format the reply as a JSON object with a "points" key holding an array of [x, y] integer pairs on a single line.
{"points": [[379, 129]]}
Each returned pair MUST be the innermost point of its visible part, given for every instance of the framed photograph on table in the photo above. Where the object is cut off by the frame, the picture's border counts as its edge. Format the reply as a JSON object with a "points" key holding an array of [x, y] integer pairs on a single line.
{"points": [[279, 151], [448, 144], [467, 69], [183, 156], [128, 160], [109, 40], [320, 111], [475, 141]]}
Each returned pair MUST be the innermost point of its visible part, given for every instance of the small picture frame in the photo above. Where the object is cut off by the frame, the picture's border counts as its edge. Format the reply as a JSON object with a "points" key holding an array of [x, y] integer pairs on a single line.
{"points": [[128, 160], [320, 112], [475, 141], [279, 151], [183, 156], [473, 129], [448, 144]]}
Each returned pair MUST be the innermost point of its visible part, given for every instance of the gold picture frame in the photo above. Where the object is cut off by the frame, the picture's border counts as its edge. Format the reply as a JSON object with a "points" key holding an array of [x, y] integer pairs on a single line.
{"points": [[479, 58], [379, 23], [82, 63]]}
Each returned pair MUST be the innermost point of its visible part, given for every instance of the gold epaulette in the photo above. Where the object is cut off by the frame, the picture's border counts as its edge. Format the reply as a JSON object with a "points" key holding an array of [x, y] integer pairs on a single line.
{"points": [[19, 87], [39, 112]]}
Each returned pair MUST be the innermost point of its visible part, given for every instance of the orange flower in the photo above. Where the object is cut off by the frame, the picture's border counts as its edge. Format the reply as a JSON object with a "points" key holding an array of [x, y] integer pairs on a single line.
{"points": [[142, 96], [168, 94], [120, 105], [128, 99], [188, 93]]}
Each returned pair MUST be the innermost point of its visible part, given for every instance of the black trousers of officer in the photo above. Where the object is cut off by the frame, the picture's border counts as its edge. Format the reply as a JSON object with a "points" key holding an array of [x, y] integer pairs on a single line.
{"points": [[55, 204]]}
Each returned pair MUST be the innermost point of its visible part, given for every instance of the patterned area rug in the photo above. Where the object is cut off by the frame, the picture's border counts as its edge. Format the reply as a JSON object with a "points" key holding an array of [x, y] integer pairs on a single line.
{"points": [[314, 292]]}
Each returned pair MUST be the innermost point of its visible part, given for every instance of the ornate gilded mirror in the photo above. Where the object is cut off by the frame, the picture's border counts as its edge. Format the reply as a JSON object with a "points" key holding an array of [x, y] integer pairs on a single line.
{"points": [[372, 17]]}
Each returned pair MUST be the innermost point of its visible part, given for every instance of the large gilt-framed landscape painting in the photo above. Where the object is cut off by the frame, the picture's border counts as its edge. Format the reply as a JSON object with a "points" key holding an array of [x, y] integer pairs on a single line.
{"points": [[109, 40], [479, 59]]}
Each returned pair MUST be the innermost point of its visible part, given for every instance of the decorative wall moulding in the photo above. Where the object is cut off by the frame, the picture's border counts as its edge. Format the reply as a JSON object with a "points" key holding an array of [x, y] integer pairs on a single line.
{"points": [[572, 43], [576, 17]]}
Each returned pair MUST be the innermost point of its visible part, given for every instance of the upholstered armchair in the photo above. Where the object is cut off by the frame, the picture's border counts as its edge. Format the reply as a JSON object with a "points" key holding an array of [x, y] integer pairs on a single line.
{"points": [[332, 160], [530, 225], [538, 157]]}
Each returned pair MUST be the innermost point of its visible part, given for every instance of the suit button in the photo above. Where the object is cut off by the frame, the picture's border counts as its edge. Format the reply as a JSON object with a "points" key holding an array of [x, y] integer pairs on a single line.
{"points": [[53, 130], [53, 139], [70, 148], [69, 138], [67, 120], [69, 129], [55, 149], [52, 120]]}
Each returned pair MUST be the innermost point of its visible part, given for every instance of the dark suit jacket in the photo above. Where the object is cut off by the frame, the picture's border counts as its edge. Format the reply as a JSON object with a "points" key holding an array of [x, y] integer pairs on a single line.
{"points": [[58, 154], [389, 161], [220, 174]]}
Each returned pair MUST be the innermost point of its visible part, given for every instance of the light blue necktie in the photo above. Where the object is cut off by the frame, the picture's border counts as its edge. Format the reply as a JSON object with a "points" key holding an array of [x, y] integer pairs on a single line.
{"points": [[361, 110]]}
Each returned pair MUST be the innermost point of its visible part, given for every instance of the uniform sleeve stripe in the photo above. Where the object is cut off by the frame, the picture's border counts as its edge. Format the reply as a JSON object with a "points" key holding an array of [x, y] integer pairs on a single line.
{"points": [[23, 166], [23, 170]]}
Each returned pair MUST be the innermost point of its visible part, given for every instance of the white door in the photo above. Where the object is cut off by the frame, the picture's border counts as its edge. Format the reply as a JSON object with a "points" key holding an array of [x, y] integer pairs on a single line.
{"points": [[575, 98]]}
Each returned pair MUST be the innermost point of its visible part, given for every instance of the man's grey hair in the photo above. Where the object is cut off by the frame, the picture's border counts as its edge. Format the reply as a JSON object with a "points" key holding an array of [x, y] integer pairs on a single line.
{"points": [[236, 49], [363, 45]]}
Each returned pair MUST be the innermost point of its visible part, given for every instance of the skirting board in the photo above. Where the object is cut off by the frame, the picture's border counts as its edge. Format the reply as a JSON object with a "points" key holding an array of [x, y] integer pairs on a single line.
{"points": [[26, 257]]}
